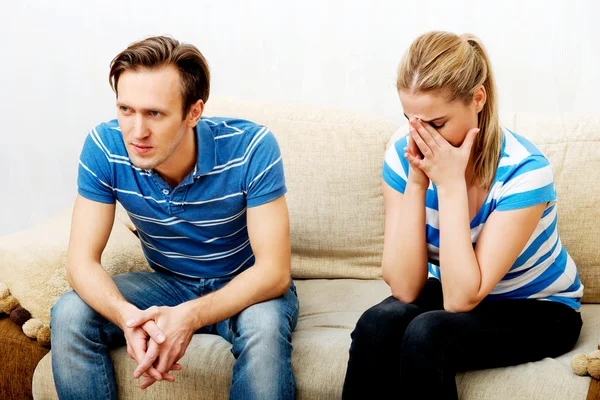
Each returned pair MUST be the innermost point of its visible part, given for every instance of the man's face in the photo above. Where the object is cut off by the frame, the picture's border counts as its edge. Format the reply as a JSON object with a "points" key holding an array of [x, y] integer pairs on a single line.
{"points": [[149, 107]]}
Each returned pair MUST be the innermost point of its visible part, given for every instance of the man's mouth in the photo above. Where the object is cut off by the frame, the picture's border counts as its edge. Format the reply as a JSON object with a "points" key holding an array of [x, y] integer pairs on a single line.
{"points": [[141, 149]]}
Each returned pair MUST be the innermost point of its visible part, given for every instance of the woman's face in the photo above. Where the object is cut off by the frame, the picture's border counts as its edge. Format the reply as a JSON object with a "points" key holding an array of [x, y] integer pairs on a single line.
{"points": [[451, 119]]}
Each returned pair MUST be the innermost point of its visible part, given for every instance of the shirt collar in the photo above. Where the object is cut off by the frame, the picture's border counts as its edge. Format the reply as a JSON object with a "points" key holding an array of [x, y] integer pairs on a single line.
{"points": [[207, 154]]}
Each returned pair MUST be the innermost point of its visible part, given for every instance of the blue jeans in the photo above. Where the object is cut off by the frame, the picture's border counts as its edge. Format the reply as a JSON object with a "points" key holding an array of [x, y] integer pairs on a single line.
{"points": [[261, 336]]}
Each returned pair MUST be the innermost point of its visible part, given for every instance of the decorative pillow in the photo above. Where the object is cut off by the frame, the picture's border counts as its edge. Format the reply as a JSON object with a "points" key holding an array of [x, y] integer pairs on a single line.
{"points": [[33, 268]]}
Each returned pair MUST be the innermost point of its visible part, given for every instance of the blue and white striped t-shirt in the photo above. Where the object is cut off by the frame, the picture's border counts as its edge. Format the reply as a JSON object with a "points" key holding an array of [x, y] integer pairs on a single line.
{"points": [[544, 269], [197, 229]]}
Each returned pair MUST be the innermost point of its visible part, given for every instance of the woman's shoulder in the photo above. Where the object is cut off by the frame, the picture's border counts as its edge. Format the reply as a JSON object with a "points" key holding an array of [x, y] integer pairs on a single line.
{"points": [[519, 153], [524, 176]]}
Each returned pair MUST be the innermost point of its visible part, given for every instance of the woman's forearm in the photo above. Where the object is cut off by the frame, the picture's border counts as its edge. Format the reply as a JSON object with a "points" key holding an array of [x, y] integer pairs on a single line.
{"points": [[459, 269], [404, 263]]}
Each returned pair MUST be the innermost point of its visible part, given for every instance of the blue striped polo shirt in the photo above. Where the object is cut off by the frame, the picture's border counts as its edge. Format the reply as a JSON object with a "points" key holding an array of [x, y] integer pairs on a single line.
{"points": [[544, 270], [198, 228]]}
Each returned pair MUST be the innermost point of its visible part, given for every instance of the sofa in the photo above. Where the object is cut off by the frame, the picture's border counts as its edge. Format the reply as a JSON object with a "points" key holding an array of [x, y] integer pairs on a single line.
{"points": [[333, 160]]}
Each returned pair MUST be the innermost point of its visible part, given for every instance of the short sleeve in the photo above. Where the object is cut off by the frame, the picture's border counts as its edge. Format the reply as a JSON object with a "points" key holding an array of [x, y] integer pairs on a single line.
{"points": [[265, 179], [531, 183], [93, 178], [395, 166]]}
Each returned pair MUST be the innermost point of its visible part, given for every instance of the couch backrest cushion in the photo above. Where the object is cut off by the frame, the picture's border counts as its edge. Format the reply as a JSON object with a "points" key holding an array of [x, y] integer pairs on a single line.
{"points": [[332, 161]]}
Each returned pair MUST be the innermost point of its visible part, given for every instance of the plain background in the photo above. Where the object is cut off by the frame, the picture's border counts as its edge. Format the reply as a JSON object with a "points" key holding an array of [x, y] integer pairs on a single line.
{"points": [[55, 55]]}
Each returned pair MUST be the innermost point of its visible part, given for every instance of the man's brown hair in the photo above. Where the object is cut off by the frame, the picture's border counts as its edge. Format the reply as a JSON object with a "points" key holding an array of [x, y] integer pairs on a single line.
{"points": [[162, 51]]}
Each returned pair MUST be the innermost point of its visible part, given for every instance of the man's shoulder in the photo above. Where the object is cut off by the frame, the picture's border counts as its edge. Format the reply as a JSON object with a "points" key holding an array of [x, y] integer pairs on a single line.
{"points": [[224, 127], [106, 138]]}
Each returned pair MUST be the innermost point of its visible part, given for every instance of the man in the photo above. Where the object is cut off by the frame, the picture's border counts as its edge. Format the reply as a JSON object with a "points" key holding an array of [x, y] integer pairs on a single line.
{"points": [[207, 198]]}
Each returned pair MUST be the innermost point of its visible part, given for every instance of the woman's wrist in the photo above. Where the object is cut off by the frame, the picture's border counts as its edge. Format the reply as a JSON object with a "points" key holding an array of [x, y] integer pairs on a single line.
{"points": [[413, 188]]}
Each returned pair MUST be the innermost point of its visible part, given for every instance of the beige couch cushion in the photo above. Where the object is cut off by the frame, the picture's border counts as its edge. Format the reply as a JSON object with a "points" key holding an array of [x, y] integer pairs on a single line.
{"points": [[33, 262], [329, 310], [332, 161]]}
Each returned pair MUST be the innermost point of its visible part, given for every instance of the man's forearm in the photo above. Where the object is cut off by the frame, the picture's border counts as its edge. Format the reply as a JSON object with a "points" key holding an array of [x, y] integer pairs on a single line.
{"points": [[255, 285], [97, 289]]}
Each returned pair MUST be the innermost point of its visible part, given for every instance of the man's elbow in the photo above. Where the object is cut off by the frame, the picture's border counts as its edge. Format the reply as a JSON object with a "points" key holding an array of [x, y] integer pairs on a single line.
{"points": [[69, 274], [280, 279], [283, 283]]}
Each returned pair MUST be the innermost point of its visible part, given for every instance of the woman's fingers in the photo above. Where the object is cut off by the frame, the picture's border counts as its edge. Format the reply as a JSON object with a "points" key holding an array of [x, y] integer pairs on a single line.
{"points": [[423, 147]]}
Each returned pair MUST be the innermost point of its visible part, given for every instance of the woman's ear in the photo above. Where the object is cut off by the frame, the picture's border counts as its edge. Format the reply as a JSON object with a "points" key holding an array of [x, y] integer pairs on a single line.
{"points": [[479, 98]]}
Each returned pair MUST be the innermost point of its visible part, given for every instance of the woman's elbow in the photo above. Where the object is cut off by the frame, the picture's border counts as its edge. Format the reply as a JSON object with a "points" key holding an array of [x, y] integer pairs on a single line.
{"points": [[459, 306], [401, 292], [401, 289], [404, 295]]}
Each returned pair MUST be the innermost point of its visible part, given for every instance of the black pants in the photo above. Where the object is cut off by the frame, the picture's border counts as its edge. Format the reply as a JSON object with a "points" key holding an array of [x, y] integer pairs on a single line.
{"points": [[413, 351]]}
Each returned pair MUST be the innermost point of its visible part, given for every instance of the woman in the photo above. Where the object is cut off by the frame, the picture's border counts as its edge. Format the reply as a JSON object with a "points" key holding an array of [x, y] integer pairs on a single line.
{"points": [[473, 207]]}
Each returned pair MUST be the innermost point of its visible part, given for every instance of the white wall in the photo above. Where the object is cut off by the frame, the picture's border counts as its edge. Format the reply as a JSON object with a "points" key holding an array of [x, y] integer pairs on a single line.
{"points": [[54, 58]]}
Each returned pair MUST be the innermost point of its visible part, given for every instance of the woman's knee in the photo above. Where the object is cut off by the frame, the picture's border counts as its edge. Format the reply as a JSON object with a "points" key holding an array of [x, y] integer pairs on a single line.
{"points": [[429, 330], [386, 319]]}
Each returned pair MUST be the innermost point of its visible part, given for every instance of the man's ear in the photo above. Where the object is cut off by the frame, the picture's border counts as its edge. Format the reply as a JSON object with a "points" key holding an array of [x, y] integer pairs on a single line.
{"points": [[479, 98], [195, 113]]}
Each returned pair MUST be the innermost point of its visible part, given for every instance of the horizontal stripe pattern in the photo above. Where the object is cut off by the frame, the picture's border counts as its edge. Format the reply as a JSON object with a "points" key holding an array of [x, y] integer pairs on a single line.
{"points": [[198, 228], [544, 270]]}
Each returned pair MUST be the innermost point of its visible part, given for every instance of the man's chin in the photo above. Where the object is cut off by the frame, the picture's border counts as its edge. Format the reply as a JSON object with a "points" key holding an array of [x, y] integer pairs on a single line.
{"points": [[142, 164]]}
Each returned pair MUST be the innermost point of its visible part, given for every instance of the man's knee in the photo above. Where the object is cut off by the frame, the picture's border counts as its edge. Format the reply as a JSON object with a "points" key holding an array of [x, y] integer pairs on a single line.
{"points": [[264, 328], [70, 312]]}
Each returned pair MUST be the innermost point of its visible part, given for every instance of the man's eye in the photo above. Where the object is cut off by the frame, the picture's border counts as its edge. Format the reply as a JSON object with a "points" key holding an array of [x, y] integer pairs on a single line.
{"points": [[124, 109], [154, 113]]}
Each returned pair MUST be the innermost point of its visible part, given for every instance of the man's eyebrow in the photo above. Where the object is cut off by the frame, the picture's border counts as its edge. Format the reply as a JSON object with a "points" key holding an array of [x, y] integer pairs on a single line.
{"points": [[431, 120], [120, 104]]}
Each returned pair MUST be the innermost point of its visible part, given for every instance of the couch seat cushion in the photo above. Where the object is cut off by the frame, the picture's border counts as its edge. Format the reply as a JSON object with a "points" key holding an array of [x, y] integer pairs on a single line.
{"points": [[329, 310]]}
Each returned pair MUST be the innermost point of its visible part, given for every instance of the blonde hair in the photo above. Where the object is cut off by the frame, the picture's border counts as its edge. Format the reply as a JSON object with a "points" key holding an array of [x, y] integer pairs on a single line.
{"points": [[456, 66]]}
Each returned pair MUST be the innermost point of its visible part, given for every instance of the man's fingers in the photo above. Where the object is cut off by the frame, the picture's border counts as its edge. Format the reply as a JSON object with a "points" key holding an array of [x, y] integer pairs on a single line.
{"points": [[147, 383], [165, 363], [154, 331], [142, 317], [147, 361], [176, 367], [138, 347]]}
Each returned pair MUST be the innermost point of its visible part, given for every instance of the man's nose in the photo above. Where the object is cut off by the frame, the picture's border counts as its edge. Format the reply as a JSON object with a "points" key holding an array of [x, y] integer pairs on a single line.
{"points": [[140, 128]]}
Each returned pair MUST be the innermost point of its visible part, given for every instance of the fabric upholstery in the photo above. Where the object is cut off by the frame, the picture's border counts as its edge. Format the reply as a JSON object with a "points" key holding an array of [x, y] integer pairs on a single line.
{"points": [[328, 313]]}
